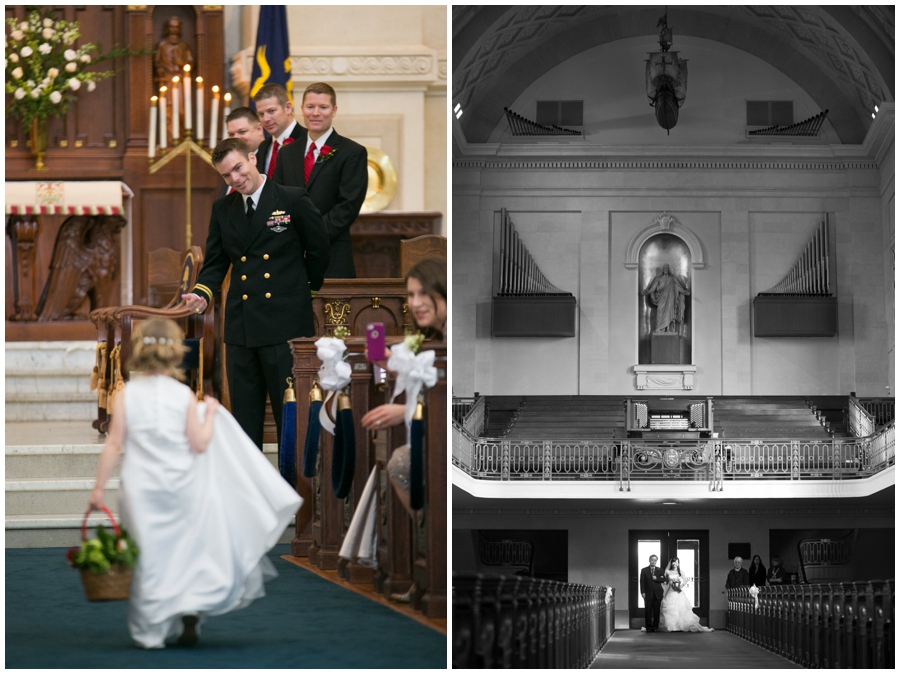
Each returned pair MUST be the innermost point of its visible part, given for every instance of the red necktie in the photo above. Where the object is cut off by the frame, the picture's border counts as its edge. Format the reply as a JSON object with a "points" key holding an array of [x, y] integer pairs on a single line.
{"points": [[271, 170], [308, 162]]}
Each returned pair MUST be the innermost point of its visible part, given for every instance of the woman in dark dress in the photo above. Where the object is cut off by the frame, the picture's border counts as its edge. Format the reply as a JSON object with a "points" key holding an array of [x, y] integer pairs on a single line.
{"points": [[757, 572]]}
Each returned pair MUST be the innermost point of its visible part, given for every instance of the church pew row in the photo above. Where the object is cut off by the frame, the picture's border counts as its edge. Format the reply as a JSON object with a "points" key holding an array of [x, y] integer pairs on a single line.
{"points": [[411, 551], [502, 622], [834, 625]]}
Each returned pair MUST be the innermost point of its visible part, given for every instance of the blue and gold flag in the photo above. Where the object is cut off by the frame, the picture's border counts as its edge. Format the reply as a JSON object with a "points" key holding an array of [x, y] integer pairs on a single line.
{"points": [[272, 58]]}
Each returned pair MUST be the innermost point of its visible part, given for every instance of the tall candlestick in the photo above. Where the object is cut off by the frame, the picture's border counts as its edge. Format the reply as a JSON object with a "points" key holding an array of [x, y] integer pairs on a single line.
{"points": [[175, 117], [163, 133], [199, 109], [227, 110], [151, 142], [214, 117], [188, 117]]}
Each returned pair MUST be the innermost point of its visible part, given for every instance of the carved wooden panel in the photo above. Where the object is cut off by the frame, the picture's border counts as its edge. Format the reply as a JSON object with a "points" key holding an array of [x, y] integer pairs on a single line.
{"points": [[355, 302], [376, 239]]}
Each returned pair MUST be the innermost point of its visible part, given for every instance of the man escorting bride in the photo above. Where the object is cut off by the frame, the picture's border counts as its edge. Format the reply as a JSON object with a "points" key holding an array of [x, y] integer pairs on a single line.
{"points": [[676, 610]]}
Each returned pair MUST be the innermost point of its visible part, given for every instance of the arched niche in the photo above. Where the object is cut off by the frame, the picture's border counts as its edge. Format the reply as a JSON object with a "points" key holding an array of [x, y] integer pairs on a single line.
{"points": [[664, 254], [665, 223]]}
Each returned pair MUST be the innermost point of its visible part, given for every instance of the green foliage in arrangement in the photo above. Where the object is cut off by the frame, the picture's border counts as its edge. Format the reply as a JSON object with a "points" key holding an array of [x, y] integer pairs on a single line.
{"points": [[98, 554]]}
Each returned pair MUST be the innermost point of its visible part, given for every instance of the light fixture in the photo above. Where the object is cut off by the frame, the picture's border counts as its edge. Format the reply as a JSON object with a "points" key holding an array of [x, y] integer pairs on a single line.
{"points": [[458, 110], [876, 108], [666, 78]]}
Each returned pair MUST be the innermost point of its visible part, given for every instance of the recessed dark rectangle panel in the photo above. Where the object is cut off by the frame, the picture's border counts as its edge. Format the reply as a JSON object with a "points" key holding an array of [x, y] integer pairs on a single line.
{"points": [[787, 316], [533, 316]]}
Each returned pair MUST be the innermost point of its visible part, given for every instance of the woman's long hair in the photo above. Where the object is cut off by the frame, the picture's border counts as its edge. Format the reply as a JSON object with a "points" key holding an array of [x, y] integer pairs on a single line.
{"points": [[671, 566], [754, 562], [431, 272]]}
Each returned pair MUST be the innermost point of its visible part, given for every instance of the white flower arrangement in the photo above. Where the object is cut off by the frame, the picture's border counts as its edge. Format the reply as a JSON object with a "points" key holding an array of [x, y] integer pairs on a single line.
{"points": [[42, 50]]}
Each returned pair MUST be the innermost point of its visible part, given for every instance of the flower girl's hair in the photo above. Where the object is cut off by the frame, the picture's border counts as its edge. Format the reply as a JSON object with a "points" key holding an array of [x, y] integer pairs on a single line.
{"points": [[157, 345]]}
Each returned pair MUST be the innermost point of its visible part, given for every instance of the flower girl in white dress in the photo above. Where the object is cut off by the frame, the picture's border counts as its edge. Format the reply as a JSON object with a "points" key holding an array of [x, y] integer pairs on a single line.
{"points": [[676, 613], [199, 498]]}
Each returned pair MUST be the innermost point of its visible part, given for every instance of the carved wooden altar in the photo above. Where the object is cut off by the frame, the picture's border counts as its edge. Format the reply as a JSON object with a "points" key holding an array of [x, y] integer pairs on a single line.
{"points": [[104, 137]]}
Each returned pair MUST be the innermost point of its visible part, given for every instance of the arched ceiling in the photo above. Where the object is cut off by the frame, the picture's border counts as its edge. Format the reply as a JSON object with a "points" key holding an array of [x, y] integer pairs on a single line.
{"points": [[842, 56]]}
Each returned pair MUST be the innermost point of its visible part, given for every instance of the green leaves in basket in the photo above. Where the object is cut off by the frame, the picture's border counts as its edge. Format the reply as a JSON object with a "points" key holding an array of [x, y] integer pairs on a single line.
{"points": [[98, 554]]}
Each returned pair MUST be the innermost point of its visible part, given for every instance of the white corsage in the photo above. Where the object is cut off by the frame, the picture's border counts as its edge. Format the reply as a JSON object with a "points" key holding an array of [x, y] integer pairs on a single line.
{"points": [[334, 375], [754, 592], [413, 371]]}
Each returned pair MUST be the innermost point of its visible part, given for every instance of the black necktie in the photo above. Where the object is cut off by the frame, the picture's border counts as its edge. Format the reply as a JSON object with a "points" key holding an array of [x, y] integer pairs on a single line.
{"points": [[250, 209]]}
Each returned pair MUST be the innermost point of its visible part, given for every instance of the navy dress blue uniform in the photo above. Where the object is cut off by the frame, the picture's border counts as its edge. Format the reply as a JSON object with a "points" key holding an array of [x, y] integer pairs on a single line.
{"points": [[277, 258], [337, 186]]}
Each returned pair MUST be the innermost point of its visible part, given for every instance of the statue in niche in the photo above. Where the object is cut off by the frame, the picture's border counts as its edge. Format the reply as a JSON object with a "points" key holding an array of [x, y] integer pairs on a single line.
{"points": [[172, 54], [667, 292]]}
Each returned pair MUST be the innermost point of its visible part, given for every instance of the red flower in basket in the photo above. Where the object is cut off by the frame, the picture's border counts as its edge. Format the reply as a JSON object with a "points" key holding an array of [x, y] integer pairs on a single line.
{"points": [[70, 555]]}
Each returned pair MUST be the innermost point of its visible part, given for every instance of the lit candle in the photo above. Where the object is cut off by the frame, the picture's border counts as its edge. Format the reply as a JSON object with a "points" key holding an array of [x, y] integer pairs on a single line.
{"points": [[151, 143], [175, 118], [227, 110], [214, 117], [188, 117], [199, 109], [163, 133]]}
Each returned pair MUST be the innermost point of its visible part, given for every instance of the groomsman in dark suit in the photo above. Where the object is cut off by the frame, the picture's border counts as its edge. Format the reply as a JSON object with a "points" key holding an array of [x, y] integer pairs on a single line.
{"points": [[652, 578], [276, 243], [334, 170], [244, 124], [276, 112]]}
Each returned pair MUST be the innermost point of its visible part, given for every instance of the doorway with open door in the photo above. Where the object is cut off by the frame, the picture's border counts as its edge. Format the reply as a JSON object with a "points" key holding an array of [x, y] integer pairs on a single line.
{"points": [[692, 550]]}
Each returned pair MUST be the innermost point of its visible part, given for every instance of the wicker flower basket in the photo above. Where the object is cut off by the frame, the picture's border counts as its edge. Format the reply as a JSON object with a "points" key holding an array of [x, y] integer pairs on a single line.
{"points": [[112, 585]]}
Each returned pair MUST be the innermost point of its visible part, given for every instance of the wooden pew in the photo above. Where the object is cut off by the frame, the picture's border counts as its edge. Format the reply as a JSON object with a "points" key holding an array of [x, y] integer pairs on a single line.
{"points": [[405, 552]]}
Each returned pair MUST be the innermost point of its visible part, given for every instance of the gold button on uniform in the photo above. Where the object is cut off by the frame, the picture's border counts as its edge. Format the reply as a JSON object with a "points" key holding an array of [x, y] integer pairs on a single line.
{"points": [[244, 258], [268, 295], [245, 297], [244, 277], [266, 256], [266, 274]]}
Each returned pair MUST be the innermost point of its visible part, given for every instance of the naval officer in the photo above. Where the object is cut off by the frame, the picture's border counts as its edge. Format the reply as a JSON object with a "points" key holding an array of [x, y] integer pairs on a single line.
{"points": [[274, 239]]}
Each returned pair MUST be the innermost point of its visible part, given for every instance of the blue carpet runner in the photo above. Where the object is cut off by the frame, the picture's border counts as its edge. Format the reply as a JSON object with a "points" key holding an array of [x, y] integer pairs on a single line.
{"points": [[303, 622]]}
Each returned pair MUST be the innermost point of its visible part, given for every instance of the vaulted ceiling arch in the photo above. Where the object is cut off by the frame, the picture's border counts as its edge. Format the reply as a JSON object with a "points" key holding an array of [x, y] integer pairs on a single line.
{"points": [[841, 56]]}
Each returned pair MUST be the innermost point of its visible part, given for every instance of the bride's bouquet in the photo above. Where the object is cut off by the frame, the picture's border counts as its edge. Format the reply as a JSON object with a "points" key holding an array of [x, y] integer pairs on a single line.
{"points": [[676, 584]]}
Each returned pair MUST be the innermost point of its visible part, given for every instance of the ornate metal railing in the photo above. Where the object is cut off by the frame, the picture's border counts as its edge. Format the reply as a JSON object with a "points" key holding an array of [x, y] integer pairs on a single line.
{"points": [[462, 407], [502, 622], [865, 415], [714, 461], [828, 626]]}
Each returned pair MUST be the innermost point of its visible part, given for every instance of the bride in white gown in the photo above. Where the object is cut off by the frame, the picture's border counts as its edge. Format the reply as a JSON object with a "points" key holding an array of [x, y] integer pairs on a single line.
{"points": [[676, 611]]}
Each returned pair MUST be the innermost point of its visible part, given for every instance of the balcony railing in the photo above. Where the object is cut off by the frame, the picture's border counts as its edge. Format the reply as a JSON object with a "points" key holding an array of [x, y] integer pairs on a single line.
{"points": [[715, 461]]}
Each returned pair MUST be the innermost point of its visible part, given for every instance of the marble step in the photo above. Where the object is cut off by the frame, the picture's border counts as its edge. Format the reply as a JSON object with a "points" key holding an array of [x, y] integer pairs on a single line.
{"points": [[41, 496], [73, 357], [46, 462], [51, 407]]}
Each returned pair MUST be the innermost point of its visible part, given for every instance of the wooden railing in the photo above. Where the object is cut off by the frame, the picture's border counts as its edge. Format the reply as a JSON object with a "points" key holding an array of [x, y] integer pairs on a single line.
{"points": [[522, 622], [834, 625], [716, 460]]}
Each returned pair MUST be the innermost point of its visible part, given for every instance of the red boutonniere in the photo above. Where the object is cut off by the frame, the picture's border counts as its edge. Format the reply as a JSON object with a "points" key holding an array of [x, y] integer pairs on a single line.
{"points": [[326, 153]]}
